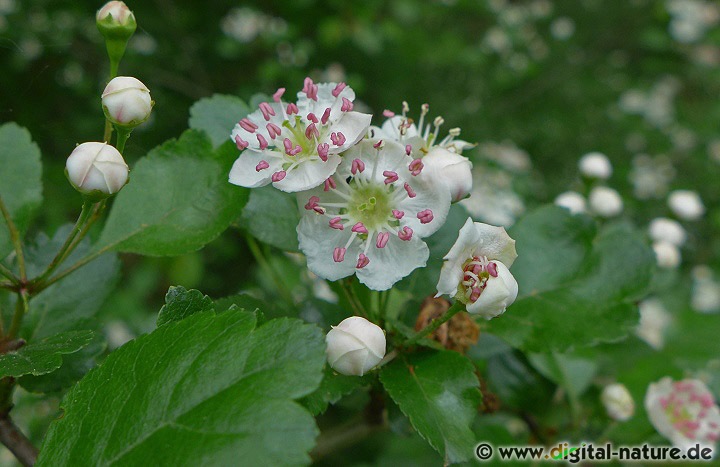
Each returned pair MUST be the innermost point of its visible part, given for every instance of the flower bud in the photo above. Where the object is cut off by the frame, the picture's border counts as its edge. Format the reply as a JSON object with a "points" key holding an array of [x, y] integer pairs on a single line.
{"points": [[115, 13], [595, 165], [667, 254], [499, 293], [605, 202], [451, 169], [686, 204], [571, 200], [662, 229], [117, 24], [618, 402], [355, 346], [126, 102], [96, 170]]}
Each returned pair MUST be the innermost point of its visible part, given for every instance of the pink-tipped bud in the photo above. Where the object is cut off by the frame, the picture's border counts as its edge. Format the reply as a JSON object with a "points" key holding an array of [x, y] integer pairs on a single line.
{"points": [[126, 101]]}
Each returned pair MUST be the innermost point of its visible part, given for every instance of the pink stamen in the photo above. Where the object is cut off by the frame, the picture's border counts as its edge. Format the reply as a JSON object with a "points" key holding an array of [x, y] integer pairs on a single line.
{"points": [[329, 184], [289, 150], [492, 269], [241, 143], [398, 214], [312, 93], [416, 167], [338, 139], [382, 239], [339, 255], [408, 149], [410, 192], [336, 223], [357, 166], [390, 177], [362, 261], [277, 176], [325, 116], [273, 130], [278, 94], [475, 294], [312, 203], [425, 216], [262, 165], [310, 89], [405, 233], [359, 228], [307, 82], [292, 109], [312, 131], [323, 150], [263, 142], [247, 125], [379, 144], [347, 106], [338, 89], [388, 113], [266, 110], [311, 116], [706, 400]]}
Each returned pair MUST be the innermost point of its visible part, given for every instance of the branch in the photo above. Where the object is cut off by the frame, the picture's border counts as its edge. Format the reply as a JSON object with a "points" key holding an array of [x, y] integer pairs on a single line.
{"points": [[15, 237], [17, 442]]}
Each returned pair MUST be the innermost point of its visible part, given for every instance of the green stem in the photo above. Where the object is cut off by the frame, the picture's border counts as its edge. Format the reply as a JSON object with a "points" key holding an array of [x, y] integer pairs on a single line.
{"points": [[21, 307], [122, 137], [9, 274], [107, 134], [15, 238], [67, 247], [40, 287], [436, 323], [355, 304], [98, 210], [269, 270]]}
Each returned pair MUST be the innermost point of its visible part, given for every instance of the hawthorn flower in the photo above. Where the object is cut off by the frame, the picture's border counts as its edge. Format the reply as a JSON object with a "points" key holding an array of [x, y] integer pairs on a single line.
{"points": [[618, 402], [605, 202], [595, 165], [476, 270], [355, 346], [573, 201], [96, 169], [686, 204], [662, 229], [297, 146], [684, 412], [369, 217]]}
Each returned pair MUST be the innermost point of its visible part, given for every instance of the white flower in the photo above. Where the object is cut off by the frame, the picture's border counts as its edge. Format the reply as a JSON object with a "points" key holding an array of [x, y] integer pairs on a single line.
{"points": [[595, 165], [573, 201], [369, 217], [355, 346], [297, 146], [450, 169], [667, 230], [605, 202], [476, 270], [667, 255], [618, 402], [684, 412], [705, 290], [118, 11], [654, 320], [96, 169], [126, 101], [686, 204]]}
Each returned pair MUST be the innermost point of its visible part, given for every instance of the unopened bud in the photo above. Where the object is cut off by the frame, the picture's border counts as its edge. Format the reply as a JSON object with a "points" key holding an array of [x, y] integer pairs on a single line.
{"points": [[116, 14], [605, 202], [355, 346], [126, 102], [451, 169], [595, 165], [96, 170], [668, 255], [686, 204], [573, 201], [117, 24], [618, 402], [667, 230]]}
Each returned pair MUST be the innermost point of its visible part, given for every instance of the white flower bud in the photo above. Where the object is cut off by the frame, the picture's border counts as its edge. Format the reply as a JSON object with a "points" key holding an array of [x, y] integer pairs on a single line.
{"points": [[667, 230], [605, 202], [595, 165], [571, 200], [618, 402], [451, 169], [96, 169], [118, 11], [654, 321], [686, 204], [355, 346], [126, 101], [667, 254], [500, 292]]}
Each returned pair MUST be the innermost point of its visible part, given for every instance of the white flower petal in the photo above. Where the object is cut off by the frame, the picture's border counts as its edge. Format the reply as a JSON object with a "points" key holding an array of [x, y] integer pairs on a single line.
{"points": [[430, 195], [391, 129], [483, 240], [318, 241], [499, 293], [308, 174], [451, 275], [353, 125], [390, 264], [325, 99], [258, 119], [244, 173]]}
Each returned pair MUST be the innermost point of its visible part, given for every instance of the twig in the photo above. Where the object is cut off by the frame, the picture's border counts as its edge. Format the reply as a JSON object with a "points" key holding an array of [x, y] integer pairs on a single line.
{"points": [[436, 323], [9, 274], [269, 270], [15, 237], [21, 307], [17, 442]]}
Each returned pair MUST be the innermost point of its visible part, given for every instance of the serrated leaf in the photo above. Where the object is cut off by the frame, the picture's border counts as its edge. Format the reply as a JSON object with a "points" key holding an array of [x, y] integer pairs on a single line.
{"points": [[217, 115], [181, 303], [43, 356], [178, 200], [272, 217], [211, 389], [20, 180], [332, 388], [582, 292], [439, 393]]}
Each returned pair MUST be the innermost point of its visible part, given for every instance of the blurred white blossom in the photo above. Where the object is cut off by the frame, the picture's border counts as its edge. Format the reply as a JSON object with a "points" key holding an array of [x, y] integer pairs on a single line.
{"points": [[651, 176], [705, 290], [654, 321]]}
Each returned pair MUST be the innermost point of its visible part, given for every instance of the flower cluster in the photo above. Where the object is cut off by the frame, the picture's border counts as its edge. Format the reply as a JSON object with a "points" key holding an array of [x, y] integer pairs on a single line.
{"points": [[368, 195]]}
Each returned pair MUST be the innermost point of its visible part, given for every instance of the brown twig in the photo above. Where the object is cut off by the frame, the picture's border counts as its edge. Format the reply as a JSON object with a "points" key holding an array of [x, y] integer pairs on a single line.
{"points": [[17, 442]]}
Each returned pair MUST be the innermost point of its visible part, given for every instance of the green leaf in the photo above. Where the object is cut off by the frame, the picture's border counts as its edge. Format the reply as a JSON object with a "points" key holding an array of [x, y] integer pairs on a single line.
{"points": [[332, 388], [44, 356], [178, 200], [181, 303], [582, 292], [272, 217], [217, 115], [210, 389], [572, 373], [20, 180], [439, 393]]}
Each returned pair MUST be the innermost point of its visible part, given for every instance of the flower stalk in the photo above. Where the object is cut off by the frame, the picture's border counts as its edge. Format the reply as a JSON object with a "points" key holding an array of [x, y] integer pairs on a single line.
{"points": [[456, 308]]}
